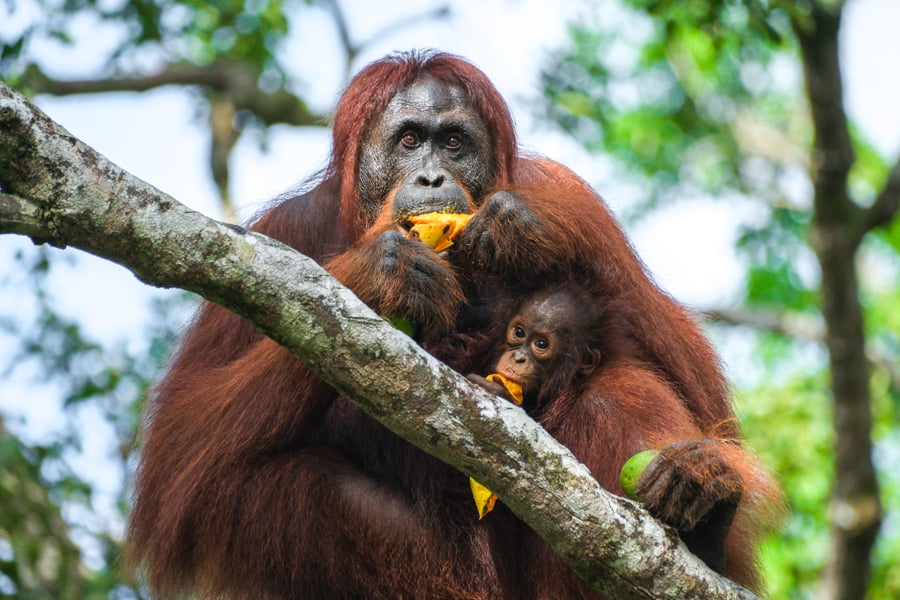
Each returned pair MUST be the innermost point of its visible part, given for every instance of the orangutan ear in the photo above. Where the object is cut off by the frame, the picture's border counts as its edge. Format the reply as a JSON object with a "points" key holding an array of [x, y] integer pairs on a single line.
{"points": [[591, 362]]}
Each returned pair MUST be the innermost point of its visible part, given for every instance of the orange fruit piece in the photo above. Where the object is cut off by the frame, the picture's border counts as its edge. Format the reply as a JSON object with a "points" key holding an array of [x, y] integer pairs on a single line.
{"points": [[514, 389], [437, 230]]}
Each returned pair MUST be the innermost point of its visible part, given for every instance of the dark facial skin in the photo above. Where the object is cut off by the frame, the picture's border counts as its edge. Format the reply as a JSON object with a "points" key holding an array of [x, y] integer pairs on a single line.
{"points": [[432, 143]]}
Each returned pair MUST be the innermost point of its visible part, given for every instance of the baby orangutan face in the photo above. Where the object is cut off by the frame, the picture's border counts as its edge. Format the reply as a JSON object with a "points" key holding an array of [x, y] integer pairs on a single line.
{"points": [[542, 340]]}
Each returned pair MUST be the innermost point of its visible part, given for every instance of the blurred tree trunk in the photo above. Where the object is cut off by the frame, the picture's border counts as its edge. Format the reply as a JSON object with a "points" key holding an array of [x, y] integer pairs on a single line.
{"points": [[839, 226]]}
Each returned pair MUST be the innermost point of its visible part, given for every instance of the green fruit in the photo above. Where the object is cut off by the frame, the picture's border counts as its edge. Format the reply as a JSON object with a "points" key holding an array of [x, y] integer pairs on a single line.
{"points": [[404, 324], [633, 469]]}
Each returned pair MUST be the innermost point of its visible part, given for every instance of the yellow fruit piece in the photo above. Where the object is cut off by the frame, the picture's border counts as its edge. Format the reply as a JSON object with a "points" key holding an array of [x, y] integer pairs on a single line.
{"points": [[514, 389], [485, 499], [437, 230]]}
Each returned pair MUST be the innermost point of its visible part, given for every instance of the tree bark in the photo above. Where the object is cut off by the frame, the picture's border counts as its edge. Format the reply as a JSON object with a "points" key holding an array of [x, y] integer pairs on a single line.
{"points": [[54, 188], [838, 227]]}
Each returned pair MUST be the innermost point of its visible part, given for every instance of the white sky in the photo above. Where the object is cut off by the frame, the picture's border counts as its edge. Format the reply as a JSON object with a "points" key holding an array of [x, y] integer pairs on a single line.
{"points": [[688, 248]]}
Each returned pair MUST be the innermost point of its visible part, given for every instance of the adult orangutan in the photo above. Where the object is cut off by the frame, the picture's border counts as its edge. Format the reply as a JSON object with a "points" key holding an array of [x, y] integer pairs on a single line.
{"points": [[257, 480]]}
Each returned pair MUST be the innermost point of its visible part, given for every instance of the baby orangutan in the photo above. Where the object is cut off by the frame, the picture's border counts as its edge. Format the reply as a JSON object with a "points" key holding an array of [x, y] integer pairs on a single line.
{"points": [[550, 341]]}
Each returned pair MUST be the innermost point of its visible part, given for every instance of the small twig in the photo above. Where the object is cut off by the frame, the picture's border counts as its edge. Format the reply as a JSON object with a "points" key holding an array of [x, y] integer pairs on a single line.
{"points": [[236, 80], [353, 50], [799, 326]]}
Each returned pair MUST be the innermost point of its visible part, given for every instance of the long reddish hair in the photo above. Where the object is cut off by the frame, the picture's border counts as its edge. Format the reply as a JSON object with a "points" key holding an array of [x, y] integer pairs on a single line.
{"points": [[373, 88]]}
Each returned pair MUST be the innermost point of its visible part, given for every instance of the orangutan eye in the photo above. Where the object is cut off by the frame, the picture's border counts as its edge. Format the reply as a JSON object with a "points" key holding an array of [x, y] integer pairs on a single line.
{"points": [[518, 332], [409, 139], [541, 344], [454, 142]]}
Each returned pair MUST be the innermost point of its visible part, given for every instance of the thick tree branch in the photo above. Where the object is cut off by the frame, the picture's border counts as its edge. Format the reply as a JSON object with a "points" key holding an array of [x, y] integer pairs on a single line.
{"points": [[84, 201]]}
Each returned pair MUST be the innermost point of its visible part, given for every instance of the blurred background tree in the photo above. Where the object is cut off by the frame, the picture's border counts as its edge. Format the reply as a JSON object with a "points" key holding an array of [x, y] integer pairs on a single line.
{"points": [[742, 102], [733, 102]]}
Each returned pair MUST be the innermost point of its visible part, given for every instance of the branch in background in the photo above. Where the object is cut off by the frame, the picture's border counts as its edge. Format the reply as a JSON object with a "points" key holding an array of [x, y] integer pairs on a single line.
{"points": [[235, 80], [352, 50], [224, 134], [233, 88], [802, 327], [837, 231], [799, 326], [832, 153], [343, 31], [438, 12], [886, 204], [87, 202]]}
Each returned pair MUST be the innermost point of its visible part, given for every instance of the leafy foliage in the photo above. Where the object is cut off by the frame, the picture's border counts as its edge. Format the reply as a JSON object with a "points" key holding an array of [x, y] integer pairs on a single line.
{"points": [[38, 555], [669, 101], [192, 32]]}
